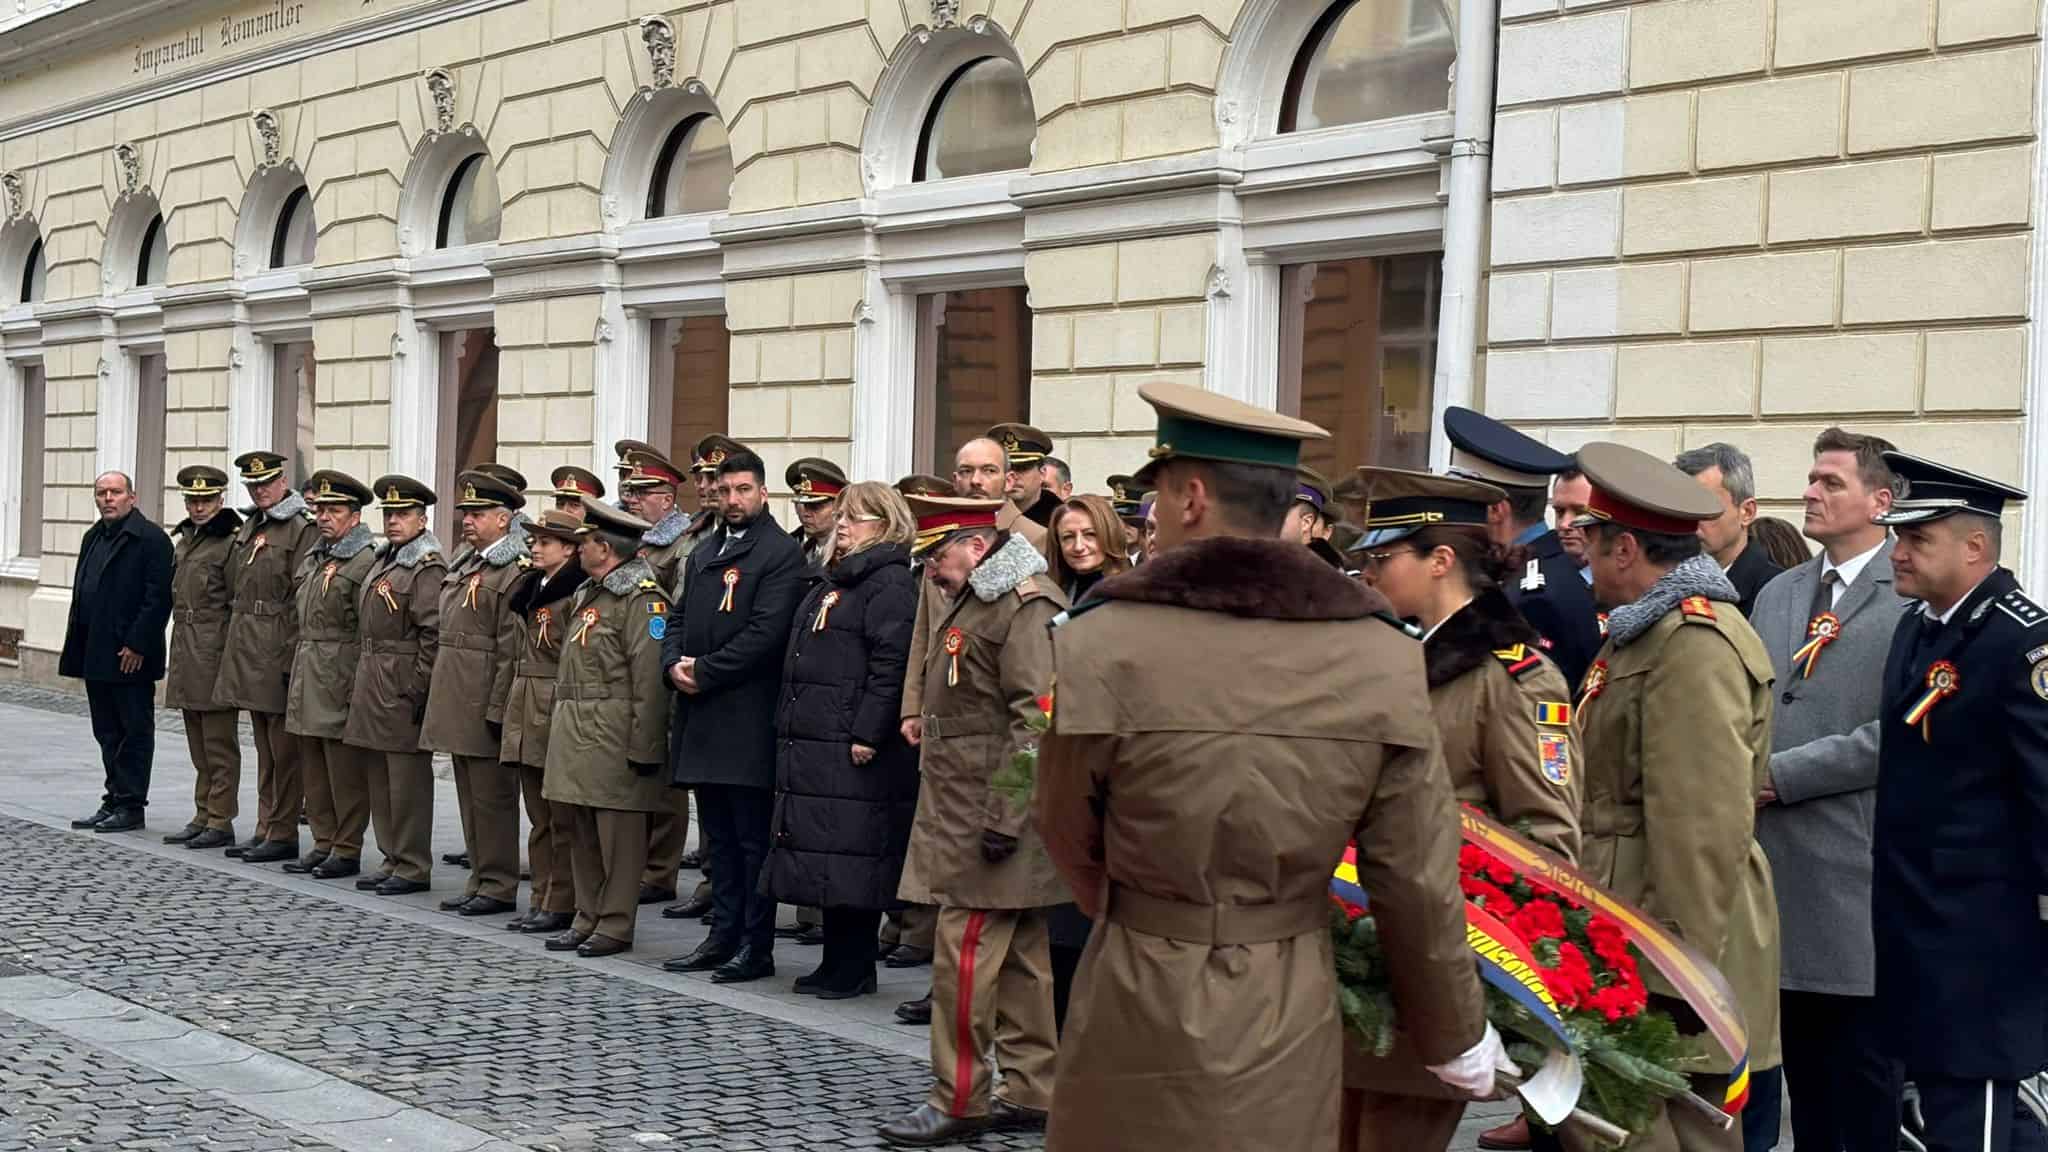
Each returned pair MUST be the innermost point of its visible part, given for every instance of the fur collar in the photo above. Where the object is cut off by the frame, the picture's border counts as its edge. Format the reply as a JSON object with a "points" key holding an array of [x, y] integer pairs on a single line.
{"points": [[1468, 637], [292, 505], [357, 539], [224, 523], [668, 531], [1014, 562], [417, 549], [1238, 576], [1699, 576], [507, 548], [538, 588], [621, 581]]}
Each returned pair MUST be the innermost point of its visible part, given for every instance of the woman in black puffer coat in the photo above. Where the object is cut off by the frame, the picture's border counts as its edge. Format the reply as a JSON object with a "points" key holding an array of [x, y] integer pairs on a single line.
{"points": [[845, 780]]}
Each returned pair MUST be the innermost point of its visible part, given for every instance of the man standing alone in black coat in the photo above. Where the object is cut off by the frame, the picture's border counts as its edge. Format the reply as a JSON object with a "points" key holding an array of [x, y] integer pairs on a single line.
{"points": [[114, 641], [722, 648]]}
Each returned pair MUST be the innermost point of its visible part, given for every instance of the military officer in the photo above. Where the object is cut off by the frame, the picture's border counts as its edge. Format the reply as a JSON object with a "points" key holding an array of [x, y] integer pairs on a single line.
{"points": [[815, 485], [1127, 496], [1307, 518], [324, 676], [400, 615], [609, 736], [1960, 892], [1674, 719], [265, 564], [201, 589], [973, 850], [924, 484], [1025, 448], [1548, 591], [573, 486], [541, 601], [629, 500], [705, 457], [1201, 835]]}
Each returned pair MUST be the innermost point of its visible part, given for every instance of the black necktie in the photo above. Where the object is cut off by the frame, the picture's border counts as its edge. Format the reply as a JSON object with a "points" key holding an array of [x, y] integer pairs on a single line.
{"points": [[1824, 594], [1930, 630]]}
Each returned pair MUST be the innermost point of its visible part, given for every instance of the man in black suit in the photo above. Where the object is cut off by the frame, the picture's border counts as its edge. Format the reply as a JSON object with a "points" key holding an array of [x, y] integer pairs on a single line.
{"points": [[114, 641], [1725, 470]]}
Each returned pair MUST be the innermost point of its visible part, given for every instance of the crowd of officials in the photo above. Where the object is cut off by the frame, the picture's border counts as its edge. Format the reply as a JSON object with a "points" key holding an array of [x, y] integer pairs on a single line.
{"points": [[1093, 756]]}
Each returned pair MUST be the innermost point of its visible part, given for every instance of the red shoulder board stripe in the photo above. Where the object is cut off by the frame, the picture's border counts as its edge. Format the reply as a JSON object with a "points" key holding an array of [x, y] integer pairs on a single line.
{"points": [[1697, 606], [1518, 668]]}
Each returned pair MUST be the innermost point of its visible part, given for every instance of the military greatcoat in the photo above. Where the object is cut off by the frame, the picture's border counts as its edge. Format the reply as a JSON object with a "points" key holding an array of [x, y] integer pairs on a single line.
{"points": [[542, 605], [200, 594], [400, 614], [330, 641], [264, 566], [478, 647], [611, 697]]}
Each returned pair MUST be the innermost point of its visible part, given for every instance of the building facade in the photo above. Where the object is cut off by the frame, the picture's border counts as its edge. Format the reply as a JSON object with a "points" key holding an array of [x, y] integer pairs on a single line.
{"points": [[410, 235]]}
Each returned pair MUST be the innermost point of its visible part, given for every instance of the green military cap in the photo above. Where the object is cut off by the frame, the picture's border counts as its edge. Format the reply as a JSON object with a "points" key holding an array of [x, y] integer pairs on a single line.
{"points": [[202, 480], [480, 489], [399, 491], [1127, 496], [650, 470], [260, 467], [1402, 503], [625, 450], [556, 524], [505, 472], [577, 483], [1022, 443], [1196, 424], [599, 516], [814, 480], [330, 486], [712, 450], [1636, 490], [924, 484]]}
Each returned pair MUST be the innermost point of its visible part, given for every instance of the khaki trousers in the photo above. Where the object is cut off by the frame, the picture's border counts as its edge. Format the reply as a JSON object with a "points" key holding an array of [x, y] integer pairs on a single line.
{"points": [[991, 985], [911, 924], [216, 750], [1671, 1129], [401, 787], [489, 795], [280, 794], [610, 847], [668, 837], [337, 795], [548, 849], [1386, 1122]]}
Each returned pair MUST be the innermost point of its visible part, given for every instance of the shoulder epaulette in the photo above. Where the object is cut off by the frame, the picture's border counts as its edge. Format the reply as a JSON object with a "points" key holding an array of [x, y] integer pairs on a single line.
{"points": [[525, 562], [1030, 588], [648, 584], [1398, 624], [2016, 605], [1697, 608], [1519, 660]]}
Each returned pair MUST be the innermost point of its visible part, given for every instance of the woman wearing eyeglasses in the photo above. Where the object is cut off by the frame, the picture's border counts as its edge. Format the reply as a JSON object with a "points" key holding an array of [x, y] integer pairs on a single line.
{"points": [[1502, 709]]}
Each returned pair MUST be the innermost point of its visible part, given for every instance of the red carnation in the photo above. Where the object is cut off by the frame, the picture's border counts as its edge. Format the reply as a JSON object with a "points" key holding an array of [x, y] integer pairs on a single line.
{"points": [[1538, 920], [1500, 873], [1045, 704], [1610, 943], [1614, 1002], [1571, 978], [1491, 898], [1470, 860]]}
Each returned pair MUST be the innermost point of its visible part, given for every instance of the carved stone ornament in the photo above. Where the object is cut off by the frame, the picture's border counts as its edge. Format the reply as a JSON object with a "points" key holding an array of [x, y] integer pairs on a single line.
{"points": [[17, 201], [106, 371], [397, 346], [609, 207], [131, 168], [1219, 283], [660, 38], [945, 13], [603, 335], [269, 136], [235, 360], [441, 84]]}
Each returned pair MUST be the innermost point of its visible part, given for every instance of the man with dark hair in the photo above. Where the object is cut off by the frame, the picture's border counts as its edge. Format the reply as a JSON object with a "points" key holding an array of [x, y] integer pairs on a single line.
{"points": [[1569, 491], [722, 647], [1725, 470], [1025, 450], [1674, 721], [1059, 479]]}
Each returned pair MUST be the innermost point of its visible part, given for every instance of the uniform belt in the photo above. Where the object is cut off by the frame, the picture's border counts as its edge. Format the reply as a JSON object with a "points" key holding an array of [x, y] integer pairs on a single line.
{"points": [[306, 637], [395, 647], [535, 669], [939, 727], [199, 615], [1217, 924], [590, 692], [264, 607], [472, 642]]}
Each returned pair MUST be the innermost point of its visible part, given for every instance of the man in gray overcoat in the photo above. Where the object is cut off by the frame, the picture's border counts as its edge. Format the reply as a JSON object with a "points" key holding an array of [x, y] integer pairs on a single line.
{"points": [[1828, 625]]}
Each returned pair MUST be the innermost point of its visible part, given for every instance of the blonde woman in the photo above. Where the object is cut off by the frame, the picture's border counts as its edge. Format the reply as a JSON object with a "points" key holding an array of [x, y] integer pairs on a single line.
{"points": [[845, 779], [1085, 542]]}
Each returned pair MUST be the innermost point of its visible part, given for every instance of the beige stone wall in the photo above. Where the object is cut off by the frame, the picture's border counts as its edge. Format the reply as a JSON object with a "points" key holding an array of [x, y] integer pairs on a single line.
{"points": [[352, 392], [1737, 220], [70, 439]]}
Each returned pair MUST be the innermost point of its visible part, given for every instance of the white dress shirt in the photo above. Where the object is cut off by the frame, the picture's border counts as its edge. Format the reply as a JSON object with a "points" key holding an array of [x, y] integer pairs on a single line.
{"points": [[1847, 571]]}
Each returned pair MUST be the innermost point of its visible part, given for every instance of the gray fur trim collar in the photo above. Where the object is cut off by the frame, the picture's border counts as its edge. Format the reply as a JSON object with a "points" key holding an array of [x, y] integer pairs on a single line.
{"points": [[1699, 576], [358, 538], [417, 549], [1003, 569], [622, 580], [507, 548], [667, 532], [285, 509]]}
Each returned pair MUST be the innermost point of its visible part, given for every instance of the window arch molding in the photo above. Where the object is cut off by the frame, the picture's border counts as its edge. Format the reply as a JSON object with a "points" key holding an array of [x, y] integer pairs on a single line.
{"points": [[435, 166], [269, 195], [1270, 39], [138, 220], [21, 242], [925, 64], [643, 132]]}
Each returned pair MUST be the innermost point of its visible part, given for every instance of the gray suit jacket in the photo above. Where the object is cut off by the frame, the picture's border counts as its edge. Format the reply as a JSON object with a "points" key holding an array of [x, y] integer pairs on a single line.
{"points": [[1824, 769]]}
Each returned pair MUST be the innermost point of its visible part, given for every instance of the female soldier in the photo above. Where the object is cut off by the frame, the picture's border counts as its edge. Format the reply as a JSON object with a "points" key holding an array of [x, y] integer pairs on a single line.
{"points": [[541, 602]]}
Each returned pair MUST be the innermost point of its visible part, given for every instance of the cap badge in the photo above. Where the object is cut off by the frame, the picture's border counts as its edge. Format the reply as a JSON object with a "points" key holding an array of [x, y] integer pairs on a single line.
{"points": [[469, 492], [803, 486], [326, 487], [1010, 442], [391, 494], [715, 457]]}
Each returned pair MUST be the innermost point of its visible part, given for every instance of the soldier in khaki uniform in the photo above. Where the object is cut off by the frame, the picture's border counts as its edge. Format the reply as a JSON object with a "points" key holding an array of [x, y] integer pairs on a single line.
{"points": [[973, 850], [573, 486], [609, 736], [400, 614], [264, 565], [541, 602], [324, 676], [1674, 718], [472, 676], [1197, 805], [200, 594]]}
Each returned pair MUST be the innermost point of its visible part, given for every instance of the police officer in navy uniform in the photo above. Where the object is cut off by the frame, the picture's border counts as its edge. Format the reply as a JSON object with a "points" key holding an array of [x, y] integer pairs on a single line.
{"points": [[1546, 586], [1961, 841]]}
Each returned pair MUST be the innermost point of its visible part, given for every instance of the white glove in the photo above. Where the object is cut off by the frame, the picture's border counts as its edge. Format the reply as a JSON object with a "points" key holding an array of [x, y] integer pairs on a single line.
{"points": [[1473, 1071]]}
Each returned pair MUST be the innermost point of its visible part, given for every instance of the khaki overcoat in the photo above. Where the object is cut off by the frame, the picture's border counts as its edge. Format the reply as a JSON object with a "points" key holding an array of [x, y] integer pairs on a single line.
{"points": [[611, 698], [199, 611], [669, 543], [400, 613], [972, 728], [541, 606], [479, 644], [1205, 769], [1675, 725], [330, 639], [932, 606], [265, 563]]}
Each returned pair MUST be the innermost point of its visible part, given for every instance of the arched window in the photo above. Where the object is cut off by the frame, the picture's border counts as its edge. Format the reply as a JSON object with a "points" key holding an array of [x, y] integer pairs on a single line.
{"points": [[693, 172], [470, 207], [33, 273], [1371, 60], [980, 121], [153, 256], [291, 242]]}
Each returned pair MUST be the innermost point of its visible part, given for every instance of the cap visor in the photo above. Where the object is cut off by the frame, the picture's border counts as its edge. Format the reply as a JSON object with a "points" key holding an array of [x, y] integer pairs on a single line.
{"points": [[1907, 515], [1378, 536]]}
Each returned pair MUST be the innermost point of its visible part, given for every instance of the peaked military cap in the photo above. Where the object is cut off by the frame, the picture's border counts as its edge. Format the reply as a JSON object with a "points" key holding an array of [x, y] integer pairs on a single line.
{"points": [[923, 484], [625, 450], [712, 450], [1022, 443], [505, 472], [260, 467], [556, 524], [202, 480], [1636, 490], [576, 483], [600, 516], [1196, 424], [939, 517], [1934, 491], [1311, 489], [397, 491], [1487, 450], [331, 486], [650, 470], [486, 490], [1127, 495], [1400, 503], [814, 480]]}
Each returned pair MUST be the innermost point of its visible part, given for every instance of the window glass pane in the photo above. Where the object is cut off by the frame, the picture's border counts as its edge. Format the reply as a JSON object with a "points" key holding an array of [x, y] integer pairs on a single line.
{"points": [[295, 232], [983, 122], [1377, 60], [1367, 358], [156, 256], [150, 381], [699, 397], [29, 540], [34, 278], [292, 405], [471, 210], [982, 368], [698, 172], [469, 409]]}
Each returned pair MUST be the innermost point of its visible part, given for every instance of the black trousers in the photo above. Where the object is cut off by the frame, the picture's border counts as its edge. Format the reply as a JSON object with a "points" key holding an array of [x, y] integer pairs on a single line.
{"points": [[737, 819], [1761, 1114], [1967, 1115], [1845, 1090], [849, 946], [124, 724]]}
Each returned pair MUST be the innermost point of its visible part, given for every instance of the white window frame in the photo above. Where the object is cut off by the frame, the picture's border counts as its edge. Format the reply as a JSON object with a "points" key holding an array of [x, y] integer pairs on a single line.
{"points": [[14, 371]]}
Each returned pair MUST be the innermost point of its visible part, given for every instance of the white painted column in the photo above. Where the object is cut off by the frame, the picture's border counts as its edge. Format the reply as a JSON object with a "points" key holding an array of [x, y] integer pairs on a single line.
{"points": [[1457, 345], [415, 398], [884, 383]]}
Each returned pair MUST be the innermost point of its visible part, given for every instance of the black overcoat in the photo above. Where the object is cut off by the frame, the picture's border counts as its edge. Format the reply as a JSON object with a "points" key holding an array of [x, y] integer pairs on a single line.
{"points": [[131, 607], [1555, 598]]}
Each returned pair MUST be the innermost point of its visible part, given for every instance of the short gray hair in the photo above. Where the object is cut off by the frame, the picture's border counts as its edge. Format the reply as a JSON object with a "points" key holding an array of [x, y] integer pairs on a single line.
{"points": [[1738, 476]]}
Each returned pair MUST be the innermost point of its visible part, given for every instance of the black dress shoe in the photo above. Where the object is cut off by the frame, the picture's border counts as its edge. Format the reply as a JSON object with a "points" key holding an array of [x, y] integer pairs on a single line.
{"points": [[518, 923], [126, 820], [812, 935], [1007, 1117], [689, 909], [183, 835], [708, 955], [211, 838], [547, 922], [459, 859], [649, 894], [905, 956], [928, 1127], [598, 947], [811, 981], [454, 902], [398, 886], [790, 931], [237, 851], [270, 852], [372, 882], [692, 859], [569, 941], [747, 965], [918, 1011], [336, 867], [487, 906], [306, 863], [846, 991], [95, 820]]}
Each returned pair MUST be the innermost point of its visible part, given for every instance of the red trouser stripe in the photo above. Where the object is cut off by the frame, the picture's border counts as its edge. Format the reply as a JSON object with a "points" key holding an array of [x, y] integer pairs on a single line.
{"points": [[964, 1055]]}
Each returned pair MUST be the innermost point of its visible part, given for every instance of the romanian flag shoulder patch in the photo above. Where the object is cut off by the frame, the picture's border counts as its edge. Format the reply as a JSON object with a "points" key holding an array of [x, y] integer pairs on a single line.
{"points": [[1554, 714]]}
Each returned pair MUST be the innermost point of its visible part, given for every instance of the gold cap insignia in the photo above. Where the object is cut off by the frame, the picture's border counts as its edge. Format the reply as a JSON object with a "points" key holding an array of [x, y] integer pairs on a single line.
{"points": [[469, 491], [803, 486], [326, 487], [715, 457], [1010, 442], [391, 494]]}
